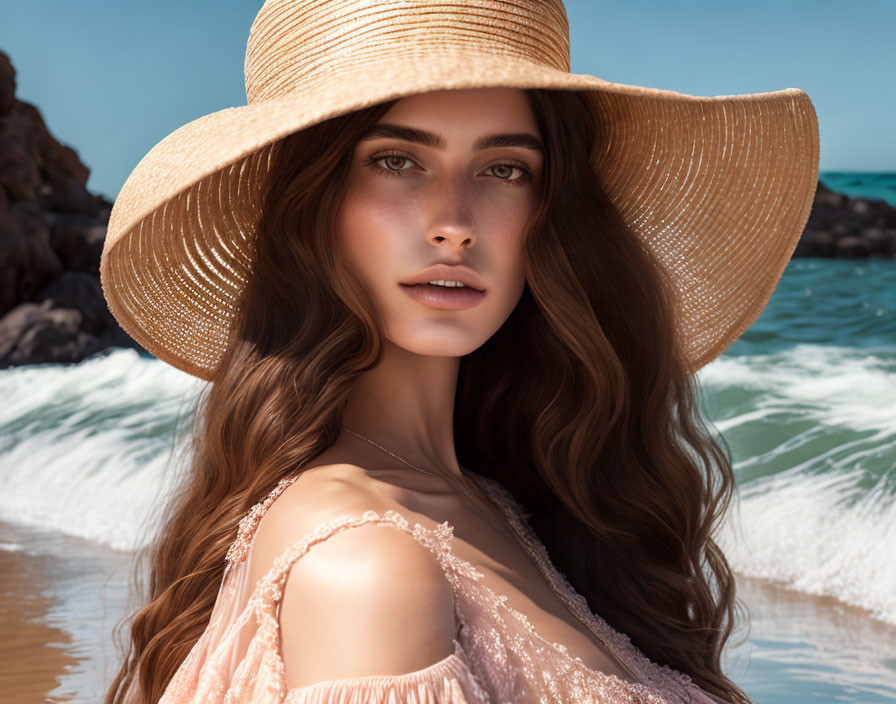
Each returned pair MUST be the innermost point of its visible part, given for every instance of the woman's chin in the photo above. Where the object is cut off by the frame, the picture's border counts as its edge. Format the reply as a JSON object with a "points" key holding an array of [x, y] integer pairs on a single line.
{"points": [[439, 344]]}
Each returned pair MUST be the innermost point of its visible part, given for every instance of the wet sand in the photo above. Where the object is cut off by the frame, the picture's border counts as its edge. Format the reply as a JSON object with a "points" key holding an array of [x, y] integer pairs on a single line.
{"points": [[804, 647], [61, 598], [33, 654]]}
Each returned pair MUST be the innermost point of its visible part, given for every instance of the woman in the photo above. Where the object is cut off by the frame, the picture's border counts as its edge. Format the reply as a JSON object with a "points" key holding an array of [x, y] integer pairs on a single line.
{"points": [[405, 490]]}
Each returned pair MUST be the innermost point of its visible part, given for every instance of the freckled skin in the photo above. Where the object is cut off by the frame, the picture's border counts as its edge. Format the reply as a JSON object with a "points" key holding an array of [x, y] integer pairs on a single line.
{"points": [[417, 204]]}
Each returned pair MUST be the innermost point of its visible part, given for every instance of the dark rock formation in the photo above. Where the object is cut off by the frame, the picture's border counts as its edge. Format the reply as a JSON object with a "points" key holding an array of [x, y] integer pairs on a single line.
{"points": [[848, 228], [51, 236]]}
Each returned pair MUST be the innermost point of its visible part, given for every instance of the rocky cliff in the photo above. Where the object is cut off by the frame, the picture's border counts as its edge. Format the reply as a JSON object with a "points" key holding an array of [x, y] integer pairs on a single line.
{"points": [[51, 236]]}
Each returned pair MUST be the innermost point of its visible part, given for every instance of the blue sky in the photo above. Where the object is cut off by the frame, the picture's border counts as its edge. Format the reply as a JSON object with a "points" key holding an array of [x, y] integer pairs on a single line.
{"points": [[113, 77]]}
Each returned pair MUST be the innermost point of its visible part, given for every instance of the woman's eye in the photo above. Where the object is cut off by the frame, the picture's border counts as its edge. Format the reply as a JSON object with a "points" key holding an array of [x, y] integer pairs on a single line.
{"points": [[391, 163], [508, 169], [392, 166]]}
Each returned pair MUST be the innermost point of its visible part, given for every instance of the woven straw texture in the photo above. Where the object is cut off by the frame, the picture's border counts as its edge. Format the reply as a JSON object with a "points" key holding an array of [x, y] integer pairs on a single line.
{"points": [[719, 188]]}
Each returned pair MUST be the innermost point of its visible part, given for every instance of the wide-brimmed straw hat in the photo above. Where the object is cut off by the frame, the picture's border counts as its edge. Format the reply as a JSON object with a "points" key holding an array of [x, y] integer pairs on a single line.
{"points": [[719, 188]]}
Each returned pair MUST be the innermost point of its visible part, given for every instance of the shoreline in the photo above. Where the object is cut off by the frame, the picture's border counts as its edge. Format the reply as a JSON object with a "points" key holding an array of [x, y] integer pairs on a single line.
{"points": [[61, 598], [33, 653]]}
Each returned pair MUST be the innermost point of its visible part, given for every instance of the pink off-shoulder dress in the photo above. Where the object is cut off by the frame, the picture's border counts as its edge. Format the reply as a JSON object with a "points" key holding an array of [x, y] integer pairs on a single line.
{"points": [[498, 656]]}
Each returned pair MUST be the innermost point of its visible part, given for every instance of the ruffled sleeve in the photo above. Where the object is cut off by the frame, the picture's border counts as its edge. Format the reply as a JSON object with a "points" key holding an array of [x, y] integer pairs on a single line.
{"points": [[237, 659], [449, 681]]}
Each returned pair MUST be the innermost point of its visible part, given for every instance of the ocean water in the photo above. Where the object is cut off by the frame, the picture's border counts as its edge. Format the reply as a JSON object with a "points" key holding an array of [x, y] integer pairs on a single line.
{"points": [[806, 400], [874, 184]]}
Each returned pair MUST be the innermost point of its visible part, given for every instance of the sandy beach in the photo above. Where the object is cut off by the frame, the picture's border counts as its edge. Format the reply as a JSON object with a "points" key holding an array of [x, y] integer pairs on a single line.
{"points": [[33, 654], [63, 595]]}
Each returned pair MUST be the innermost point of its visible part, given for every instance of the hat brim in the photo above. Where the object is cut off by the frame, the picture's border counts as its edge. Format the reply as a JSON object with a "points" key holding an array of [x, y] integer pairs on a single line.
{"points": [[719, 188]]}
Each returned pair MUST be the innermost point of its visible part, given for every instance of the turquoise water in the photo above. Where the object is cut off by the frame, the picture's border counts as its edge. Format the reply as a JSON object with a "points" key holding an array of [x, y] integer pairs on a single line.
{"points": [[815, 375], [826, 302], [805, 399], [875, 184]]}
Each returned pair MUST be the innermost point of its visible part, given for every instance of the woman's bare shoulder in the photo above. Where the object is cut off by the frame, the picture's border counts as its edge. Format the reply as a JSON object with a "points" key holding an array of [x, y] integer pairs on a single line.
{"points": [[320, 495], [348, 600]]}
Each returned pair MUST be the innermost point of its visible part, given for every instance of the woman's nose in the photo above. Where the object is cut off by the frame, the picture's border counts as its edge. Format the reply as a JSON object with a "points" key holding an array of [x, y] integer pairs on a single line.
{"points": [[451, 211]]}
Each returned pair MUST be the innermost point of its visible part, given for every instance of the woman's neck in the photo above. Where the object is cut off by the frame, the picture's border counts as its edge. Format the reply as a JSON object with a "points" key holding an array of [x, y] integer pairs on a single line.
{"points": [[406, 405]]}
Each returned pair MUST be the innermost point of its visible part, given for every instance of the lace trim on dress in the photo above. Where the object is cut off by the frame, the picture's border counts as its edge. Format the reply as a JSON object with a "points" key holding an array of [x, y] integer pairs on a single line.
{"points": [[239, 549], [619, 643]]}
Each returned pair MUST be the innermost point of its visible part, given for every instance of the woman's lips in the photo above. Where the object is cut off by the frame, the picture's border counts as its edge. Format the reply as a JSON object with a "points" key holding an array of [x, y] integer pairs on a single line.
{"points": [[443, 297]]}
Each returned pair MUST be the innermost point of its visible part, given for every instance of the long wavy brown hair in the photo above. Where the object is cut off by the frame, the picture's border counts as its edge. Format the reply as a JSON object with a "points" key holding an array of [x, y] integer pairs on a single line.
{"points": [[624, 482]]}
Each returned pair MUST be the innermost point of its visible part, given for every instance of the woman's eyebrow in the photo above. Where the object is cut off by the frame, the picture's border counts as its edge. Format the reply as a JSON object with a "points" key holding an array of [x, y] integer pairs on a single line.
{"points": [[430, 139]]}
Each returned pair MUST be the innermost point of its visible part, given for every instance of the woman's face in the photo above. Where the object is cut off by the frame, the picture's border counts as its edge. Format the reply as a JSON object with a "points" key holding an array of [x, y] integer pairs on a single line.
{"points": [[428, 187]]}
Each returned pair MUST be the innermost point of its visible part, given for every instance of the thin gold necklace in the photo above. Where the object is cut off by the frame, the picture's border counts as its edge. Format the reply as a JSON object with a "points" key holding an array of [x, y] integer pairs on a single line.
{"points": [[391, 453]]}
